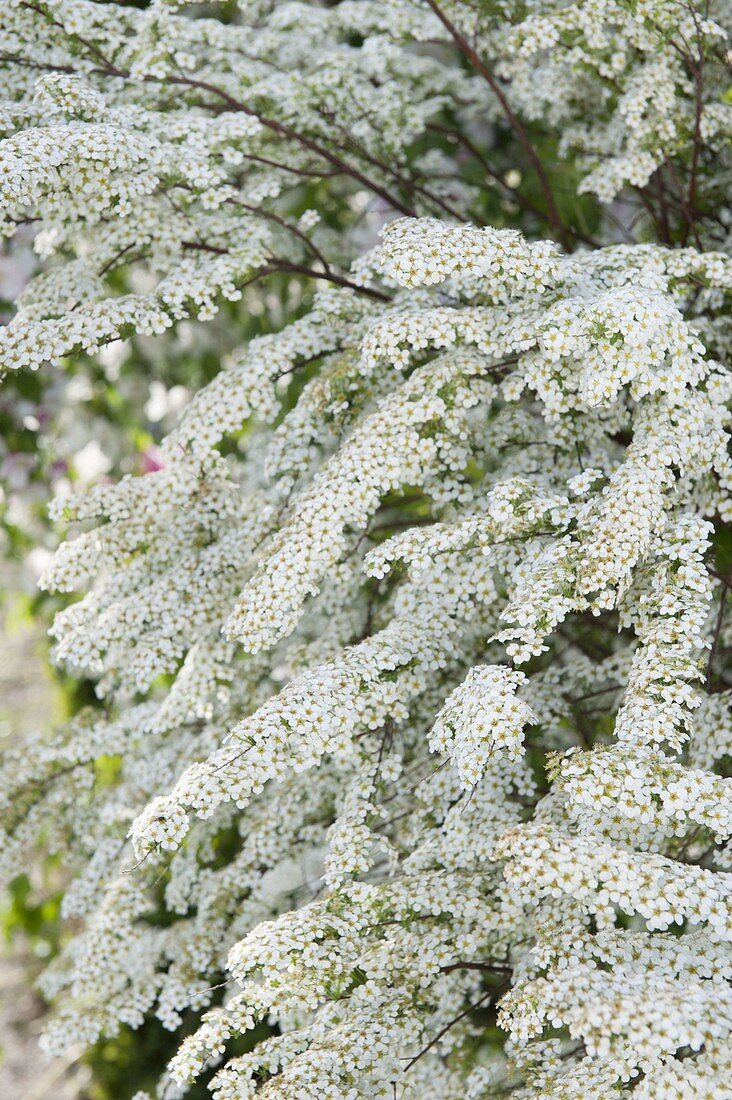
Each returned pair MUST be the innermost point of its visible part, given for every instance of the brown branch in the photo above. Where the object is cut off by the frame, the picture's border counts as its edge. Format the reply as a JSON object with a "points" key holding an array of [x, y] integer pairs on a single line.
{"points": [[303, 172], [284, 130], [489, 170], [717, 629], [492, 968], [274, 264], [514, 192], [657, 219], [594, 694], [406, 183], [273, 125], [697, 70], [687, 212], [515, 122], [331, 277], [115, 259], [94, 50], [26, 63], [663, 206], [269, 215], [490, 995]]}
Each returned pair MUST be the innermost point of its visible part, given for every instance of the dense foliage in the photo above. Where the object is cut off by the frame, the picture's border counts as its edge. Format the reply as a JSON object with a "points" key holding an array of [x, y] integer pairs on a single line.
{"points": [[408, 776]]}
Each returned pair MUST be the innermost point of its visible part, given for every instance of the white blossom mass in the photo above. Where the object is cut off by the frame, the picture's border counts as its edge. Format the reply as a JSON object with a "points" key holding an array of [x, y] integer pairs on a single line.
{"points": [[409, 772]]}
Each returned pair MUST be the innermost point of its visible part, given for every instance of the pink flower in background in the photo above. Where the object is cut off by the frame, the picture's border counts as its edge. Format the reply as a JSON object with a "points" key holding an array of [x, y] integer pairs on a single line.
{"points": [[59, 468], [151, 460]]}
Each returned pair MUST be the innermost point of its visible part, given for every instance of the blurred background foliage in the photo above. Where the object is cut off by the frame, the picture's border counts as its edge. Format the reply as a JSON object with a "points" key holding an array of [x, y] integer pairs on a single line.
{"points": [[100, 417]]}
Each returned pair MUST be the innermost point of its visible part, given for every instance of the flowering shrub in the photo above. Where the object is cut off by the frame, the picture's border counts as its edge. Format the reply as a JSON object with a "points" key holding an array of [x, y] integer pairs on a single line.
{"points": [[412, 653]]}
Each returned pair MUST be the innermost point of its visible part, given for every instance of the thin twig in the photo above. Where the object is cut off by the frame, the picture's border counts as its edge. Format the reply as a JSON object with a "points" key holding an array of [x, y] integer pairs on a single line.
{"points": [[446, 1028], [515, 122]]}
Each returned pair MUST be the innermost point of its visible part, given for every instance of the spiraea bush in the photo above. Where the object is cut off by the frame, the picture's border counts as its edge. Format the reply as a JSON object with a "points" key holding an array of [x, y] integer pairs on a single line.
{"points": [[409, 776]]}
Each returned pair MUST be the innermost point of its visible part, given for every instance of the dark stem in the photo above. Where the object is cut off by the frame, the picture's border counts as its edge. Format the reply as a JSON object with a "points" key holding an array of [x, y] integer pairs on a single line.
{"points": [[274, 264], [517, 125], [490, 995]]}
